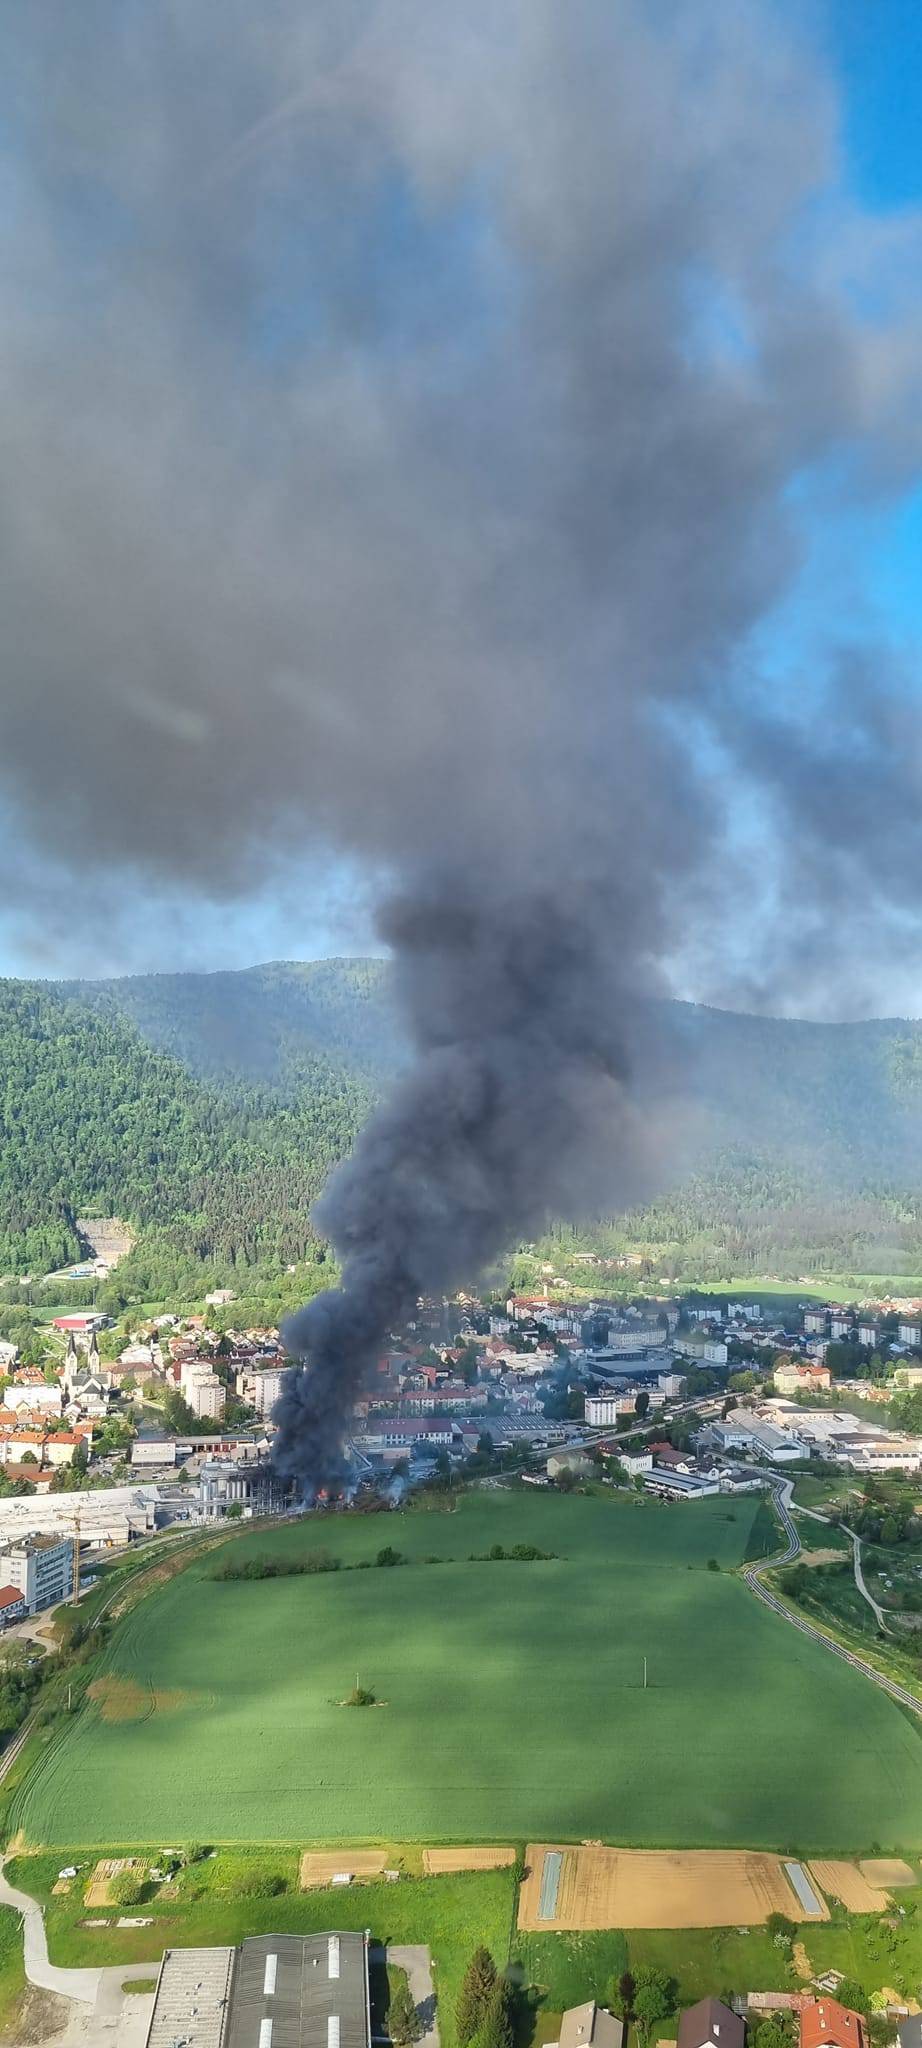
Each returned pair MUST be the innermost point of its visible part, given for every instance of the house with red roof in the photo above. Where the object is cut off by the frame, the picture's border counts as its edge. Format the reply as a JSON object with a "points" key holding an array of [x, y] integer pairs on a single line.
{"points": [[824, 2023], [12, 1606]]}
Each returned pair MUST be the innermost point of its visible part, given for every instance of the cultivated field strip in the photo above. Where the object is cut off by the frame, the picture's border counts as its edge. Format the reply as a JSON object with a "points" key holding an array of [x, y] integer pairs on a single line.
{"points": [[604, 1887]]}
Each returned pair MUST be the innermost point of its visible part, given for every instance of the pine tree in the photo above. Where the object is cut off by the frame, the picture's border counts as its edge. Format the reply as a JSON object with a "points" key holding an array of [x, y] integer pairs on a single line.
{"points": [[496, 2030], [475, 1994], [403, 2021]]}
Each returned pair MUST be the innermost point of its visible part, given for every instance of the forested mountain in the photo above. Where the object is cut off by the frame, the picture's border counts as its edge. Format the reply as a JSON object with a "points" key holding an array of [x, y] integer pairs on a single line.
{"points": [[206, 1110], [95, 1120]]}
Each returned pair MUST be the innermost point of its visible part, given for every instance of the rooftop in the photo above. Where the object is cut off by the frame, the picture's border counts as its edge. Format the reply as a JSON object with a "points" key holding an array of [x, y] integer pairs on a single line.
{"points": [[294, 1991], [823, 2021], [193, 1990]]}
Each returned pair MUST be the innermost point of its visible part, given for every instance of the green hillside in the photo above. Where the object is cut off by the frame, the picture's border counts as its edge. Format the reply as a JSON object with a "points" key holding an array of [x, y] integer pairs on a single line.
{"points": [[95, 1120], [206, 1110]]}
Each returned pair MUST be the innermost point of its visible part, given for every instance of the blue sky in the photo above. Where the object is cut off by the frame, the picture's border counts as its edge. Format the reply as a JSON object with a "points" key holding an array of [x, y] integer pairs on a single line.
{"points": [[857, 563]]}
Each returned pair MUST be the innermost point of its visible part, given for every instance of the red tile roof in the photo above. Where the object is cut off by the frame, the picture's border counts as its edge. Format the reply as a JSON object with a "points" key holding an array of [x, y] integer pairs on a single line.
{"points": [[824, 2023], [10, 1596]]}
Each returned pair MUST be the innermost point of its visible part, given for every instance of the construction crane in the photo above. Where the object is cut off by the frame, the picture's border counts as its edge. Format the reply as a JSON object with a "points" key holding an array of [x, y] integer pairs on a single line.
{"points": [[75, 1581]]}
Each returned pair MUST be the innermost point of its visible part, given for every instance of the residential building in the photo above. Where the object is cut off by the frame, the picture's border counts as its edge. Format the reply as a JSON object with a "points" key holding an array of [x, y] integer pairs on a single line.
{"points": [[791, 1377], [868, 1332], [824, 2023], [841, 1324], [634, 1462], [261, 1386], [575, 1462], [590, 2026], [12, 1606], [908, 1375], [39, 1568], [671, 1383], [275, 1990], [815, 1322], [910, 1332], [206, 1395], [702, 1351], [710, 2024], [909, 2031], [18, 1398]]}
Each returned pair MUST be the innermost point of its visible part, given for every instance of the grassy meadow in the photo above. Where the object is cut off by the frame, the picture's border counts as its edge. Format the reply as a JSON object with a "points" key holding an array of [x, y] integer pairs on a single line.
{"points": [[510, 1695]]}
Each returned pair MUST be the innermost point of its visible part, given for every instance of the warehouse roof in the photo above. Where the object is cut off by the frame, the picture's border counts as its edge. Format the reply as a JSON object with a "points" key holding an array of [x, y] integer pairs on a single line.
{"points": [[293, 1991], [192, 1996]]}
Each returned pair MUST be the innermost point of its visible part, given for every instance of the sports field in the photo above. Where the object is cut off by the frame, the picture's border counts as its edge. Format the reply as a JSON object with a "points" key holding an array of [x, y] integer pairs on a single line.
{"points": [[510, 1696]]}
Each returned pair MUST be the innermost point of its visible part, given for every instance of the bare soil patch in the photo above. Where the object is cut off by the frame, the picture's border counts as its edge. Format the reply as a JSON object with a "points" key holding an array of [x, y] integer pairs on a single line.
{"points": [[847, 1884], [320, 1866], [441, 1862], [802, 1963], [603, 1887], [98, 1891]]}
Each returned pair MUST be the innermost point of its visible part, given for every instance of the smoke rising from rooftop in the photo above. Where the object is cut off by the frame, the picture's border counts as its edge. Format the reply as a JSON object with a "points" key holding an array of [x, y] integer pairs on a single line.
{"points": [[411, 416]]}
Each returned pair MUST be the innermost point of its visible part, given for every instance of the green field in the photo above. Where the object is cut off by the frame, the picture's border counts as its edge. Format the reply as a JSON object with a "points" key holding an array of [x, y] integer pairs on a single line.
{"points": [[512, 1700]]}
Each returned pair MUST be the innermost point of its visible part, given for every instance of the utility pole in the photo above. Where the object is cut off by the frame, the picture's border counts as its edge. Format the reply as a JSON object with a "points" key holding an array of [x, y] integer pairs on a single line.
{"points": [[645, 1674], [75, 1583]]}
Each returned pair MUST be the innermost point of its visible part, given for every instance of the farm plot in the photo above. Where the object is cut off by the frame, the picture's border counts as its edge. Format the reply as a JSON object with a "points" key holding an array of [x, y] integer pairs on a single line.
{"points": [[848, 1883], [888, 1873], [439, 1862], [514, 1698], [600, 1887]]}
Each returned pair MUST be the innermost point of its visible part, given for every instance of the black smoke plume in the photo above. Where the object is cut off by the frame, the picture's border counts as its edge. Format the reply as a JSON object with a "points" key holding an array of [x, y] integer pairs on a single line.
{"points": [[524, 1097], [412, 417]]}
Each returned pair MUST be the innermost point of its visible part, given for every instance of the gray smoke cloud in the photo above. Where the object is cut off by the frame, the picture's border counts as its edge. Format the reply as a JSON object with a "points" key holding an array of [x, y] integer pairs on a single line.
{"points": [[408, 417]]}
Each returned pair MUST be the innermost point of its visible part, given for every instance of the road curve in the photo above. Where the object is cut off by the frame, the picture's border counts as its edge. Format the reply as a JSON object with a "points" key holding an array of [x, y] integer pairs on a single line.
{"points": [[782, 1491]]}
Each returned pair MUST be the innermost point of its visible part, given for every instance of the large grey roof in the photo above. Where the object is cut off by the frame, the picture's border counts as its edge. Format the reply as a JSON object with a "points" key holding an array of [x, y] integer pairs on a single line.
{"points": [[192, 1996], [314, 1995]]}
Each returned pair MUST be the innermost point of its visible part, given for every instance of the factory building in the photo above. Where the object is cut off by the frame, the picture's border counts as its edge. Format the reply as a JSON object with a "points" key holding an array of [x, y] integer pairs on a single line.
{"points": [[274, 1991], [259, 1491], [109, 1516]]}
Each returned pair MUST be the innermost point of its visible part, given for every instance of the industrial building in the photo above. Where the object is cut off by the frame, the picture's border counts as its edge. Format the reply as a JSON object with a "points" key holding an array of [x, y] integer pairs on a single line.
{"points": [[257, 1488], [274, 1991], [39, 1568], [109, 1516]]}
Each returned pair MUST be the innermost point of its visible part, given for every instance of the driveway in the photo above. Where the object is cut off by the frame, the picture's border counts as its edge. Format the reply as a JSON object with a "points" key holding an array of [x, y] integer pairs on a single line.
{"points": [[416, 1961]]}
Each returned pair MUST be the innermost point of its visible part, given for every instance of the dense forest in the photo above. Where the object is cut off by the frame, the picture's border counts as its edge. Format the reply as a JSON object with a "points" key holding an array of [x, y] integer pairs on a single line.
{"points": [[206, 1110], [95, 1121]]}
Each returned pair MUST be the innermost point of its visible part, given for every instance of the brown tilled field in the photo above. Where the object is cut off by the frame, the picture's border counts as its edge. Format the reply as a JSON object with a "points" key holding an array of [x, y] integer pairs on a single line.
{"points": [[846, 1882], [441, 1862], [320, 1866], [601, 1887], [886, 1872]]}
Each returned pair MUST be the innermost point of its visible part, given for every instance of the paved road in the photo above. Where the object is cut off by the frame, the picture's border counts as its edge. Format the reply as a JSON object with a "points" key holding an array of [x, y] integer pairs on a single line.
{"points": [[96, 1988], [782, 1490]]}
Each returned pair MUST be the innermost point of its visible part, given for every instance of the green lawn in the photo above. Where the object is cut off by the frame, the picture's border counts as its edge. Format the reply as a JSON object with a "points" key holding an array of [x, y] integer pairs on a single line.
{"points": [[450, 1914], [512, 1701]]}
